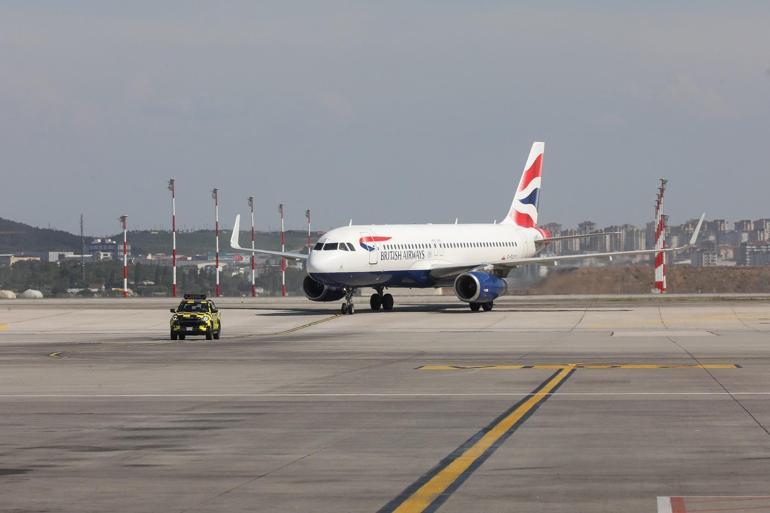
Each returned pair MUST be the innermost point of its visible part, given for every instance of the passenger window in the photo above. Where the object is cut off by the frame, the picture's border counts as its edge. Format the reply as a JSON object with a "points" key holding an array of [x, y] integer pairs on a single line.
{"points": [[318, 245], [330, 246]]}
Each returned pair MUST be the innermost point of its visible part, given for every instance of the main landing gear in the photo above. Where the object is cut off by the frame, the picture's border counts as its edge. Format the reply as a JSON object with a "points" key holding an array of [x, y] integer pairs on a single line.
{"points": [[475, 307], [381, 300]]}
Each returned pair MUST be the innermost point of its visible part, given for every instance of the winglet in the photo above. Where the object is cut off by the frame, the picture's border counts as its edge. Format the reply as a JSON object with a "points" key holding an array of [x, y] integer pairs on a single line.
{"points": [[694, 237], [236, 232]]}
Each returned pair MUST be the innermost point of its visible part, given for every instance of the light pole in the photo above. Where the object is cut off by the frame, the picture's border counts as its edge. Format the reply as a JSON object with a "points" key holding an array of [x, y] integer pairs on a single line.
{"points": [[215, 196], [283, 249], [660, 240], [172, 188], [253, 271], [124, 225], [307, 215]]}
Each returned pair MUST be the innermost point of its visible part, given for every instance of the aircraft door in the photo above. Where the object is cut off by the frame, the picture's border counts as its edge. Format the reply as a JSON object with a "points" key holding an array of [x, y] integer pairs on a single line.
{"points": [[372, 247], [437, 249]]}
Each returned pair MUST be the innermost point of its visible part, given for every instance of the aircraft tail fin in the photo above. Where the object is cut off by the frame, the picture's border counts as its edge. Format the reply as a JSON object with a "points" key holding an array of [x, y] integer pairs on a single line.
{"points": [[523, 211]]}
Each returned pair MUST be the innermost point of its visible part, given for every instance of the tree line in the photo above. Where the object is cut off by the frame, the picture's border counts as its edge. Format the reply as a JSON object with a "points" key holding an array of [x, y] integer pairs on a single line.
{"points": [[106, 278]]}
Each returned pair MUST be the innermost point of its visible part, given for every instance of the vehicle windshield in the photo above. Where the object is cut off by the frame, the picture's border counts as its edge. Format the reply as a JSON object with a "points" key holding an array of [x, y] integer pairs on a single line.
{"points": [[193, 307]]}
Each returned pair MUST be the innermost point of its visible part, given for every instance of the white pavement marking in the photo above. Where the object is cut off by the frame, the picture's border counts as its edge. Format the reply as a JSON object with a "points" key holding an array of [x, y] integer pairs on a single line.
{"points": [[664, 505], [663, 333], [363, 394]]}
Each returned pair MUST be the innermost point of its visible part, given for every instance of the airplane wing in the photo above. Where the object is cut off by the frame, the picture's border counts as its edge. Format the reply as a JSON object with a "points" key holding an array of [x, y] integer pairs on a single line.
{"points": [[235, 245], [556, 259], [543, 242]]}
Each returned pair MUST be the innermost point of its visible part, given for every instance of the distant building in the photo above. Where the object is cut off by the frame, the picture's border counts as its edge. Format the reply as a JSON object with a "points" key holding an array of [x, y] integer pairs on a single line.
{"points": [[762, 225], [635, 239], [570, 245], [754, 254], [707, 255], [107, 249], [9, 259], [744, 225]]}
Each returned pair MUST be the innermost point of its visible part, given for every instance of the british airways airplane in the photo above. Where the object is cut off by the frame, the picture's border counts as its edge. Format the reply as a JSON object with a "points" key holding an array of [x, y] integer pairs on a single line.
{"points": [[474, 259]]}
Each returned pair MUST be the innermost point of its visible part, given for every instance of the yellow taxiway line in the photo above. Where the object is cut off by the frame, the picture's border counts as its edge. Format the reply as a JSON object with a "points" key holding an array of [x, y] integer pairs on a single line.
{"points": [[307, 325], [548, 366], [432, 489]]}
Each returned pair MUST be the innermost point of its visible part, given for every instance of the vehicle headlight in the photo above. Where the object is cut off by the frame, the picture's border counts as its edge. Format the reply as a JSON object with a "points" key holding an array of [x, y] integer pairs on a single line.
{"points": [[174, 318], [206, 318]]}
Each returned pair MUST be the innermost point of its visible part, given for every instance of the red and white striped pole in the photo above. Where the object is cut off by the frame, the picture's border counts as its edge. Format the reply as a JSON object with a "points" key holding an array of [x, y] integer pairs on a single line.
{"points": [[124, 224], [172, 188], [660, 240], [283, 248], [309, 243], [215, 195], [253, 239]]}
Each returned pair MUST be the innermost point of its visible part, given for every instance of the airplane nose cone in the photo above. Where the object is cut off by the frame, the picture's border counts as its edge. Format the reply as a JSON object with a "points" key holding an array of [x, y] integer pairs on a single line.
{"points": [[312, 263], [323, 262]]}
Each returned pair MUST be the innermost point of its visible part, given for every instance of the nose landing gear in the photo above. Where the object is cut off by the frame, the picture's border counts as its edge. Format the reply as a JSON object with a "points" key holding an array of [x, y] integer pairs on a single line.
{"points": [[348, 307]]}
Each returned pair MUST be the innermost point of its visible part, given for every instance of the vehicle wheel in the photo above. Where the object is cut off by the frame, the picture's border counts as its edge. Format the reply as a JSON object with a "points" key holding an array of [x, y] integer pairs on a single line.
{"points": [[209, 334], [475, 307], [181, 336], [487, 306], [344, 309], [174, 336], [387, 302], [217, 333], [375, 302]]}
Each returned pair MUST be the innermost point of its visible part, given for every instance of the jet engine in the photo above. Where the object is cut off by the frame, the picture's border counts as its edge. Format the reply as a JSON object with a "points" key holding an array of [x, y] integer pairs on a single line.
{"points": [[316, 291], [479, 287]]}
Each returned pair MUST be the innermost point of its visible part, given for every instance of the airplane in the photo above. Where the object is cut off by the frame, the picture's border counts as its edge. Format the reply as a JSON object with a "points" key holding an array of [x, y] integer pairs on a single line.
{"points": [[473, 259]]}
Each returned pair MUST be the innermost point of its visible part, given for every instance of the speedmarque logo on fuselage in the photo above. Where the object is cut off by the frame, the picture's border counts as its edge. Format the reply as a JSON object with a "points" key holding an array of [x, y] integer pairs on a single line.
{"points": [[372, 238]]}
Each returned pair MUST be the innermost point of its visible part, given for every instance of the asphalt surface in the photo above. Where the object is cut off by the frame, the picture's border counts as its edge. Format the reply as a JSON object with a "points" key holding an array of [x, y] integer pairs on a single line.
{"points": [[584, 404]]}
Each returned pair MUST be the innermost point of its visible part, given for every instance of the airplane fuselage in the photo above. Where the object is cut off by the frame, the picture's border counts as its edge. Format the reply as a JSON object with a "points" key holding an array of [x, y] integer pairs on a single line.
{"points": [[419, 255]]}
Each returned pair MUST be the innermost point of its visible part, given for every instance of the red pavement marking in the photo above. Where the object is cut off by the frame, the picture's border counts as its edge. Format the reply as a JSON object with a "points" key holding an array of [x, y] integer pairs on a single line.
{"points": [[677, 505], [742, 508]]}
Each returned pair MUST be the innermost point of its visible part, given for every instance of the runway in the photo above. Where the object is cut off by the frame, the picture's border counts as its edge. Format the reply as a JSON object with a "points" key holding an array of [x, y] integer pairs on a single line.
{"points": [[571, 404]]}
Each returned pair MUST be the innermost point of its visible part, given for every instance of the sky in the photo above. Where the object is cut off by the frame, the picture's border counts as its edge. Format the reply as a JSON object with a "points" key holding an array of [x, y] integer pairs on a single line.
{"points": [[383, 112]]}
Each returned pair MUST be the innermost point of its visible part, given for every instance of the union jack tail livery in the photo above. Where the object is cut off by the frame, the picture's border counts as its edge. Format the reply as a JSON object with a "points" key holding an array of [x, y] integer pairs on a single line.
{"points": [[523, 211]]}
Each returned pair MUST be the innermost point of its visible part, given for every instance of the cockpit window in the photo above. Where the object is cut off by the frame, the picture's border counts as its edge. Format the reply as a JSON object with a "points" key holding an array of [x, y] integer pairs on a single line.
{"points": [[343, 246], [351, 246], [330, 246], [318, 245]]}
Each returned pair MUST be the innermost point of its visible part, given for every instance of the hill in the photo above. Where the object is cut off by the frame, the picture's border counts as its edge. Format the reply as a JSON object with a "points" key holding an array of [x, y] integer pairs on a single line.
{"points": [[19, 237], [683, 279], [202, 241]]}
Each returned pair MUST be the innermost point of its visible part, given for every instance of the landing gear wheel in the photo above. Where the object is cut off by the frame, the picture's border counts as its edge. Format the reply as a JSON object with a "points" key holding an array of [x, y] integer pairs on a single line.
{"points": [[209, 334], [475, 307], [387, 302], [487, 306], [347, 306], [174, 336], [375, 302]]}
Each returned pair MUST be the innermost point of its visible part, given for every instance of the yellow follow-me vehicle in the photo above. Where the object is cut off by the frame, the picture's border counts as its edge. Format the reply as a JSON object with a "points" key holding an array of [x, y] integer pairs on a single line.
{"points": [[195, 315]]}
